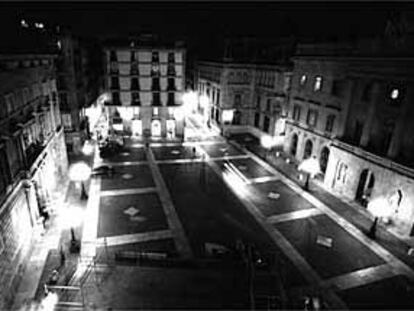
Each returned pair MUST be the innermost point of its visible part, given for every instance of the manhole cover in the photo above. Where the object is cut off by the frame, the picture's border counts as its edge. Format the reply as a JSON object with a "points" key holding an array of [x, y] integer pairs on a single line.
{"points": [[125, 154], [138, 218], [223, 149], [175, 152], [127, 176], [131, 211], [242, 167]]}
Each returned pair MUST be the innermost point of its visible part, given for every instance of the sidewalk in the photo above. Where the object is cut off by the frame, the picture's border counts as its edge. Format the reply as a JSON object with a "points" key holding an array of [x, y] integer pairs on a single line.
{"points": [[46, 251], [353, 213]]}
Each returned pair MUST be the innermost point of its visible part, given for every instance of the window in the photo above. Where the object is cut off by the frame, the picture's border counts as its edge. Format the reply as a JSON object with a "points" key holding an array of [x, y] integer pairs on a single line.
{"points": [[266, 123], [296, 112], [268, 104], [318, 84], [63, 100], [171, 84], [115, 98], [312, 117], [133, 57], [134, 84], [155, 57], [256, 119], [171, 57], [156, 99], [338, 88], [114, 68], [171, 99], [155, 111], [388, 133], [135, 99], [134, 69], [308, 149], [330, 120], [396, 95], [258, 102], [155, 70], [237, 100], [9, 99], [367, 92], [287, 84], [155, 84], [114, 83], [302, 80], [171, 70], [112, 56], [357, 132]]}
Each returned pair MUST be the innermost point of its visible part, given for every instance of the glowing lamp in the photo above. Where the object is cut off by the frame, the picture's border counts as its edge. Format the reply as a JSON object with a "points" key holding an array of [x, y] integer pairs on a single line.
{"points": [[190, 99], [311, 167], [179, 113], [204, 101], [227, 115], [79, 171], [87, 148], [266, 142]]}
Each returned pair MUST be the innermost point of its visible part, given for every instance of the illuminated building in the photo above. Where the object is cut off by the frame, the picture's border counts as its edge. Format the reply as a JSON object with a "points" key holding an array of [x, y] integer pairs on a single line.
{"points": [[33, 160], [350, 107], [145, 80], [255, 87]]}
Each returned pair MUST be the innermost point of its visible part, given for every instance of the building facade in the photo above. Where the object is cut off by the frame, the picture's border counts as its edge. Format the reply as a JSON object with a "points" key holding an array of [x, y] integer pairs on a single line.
{"points": [[145, 83], [78, 80], [350, 108], [33, 160], [255, 94]]}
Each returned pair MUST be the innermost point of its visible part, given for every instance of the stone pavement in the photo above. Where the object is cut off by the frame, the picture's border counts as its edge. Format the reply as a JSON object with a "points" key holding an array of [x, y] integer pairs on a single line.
{"points": [[45, 255]]}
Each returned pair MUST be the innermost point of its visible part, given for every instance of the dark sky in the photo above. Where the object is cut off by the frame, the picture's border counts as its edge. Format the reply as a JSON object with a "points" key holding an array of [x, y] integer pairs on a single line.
{"points": [[207, 18]]}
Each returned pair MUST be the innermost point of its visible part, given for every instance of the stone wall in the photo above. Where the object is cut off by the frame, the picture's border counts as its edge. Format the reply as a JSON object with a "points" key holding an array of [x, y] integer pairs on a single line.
{"points": [[387, 182]]}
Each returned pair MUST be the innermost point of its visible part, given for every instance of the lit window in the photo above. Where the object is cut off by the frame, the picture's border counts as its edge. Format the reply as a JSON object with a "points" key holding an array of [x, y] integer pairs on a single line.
{"points": [[155, 111], [24, 24], [395, 93], [303, 80], [59, 45], [318, 84]]}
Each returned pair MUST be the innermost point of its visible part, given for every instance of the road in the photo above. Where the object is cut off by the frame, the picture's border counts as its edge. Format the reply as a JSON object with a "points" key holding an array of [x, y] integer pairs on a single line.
{"points": [[168, 200]]}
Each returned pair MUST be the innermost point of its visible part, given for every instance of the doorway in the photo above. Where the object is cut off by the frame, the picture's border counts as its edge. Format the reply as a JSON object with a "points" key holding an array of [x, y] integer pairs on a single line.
{"points": [[365, 185], [323, 160], [156, 128]]}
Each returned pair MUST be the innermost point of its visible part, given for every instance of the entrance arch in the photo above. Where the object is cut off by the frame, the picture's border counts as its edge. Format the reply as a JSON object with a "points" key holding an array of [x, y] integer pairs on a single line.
{"points": [[156, 128], [308, 149], [323, 159], [365, 185], [294, 144]]}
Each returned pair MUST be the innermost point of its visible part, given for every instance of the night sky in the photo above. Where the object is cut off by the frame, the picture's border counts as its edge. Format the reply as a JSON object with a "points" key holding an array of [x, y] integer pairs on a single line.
{"points": [[200, 23]]}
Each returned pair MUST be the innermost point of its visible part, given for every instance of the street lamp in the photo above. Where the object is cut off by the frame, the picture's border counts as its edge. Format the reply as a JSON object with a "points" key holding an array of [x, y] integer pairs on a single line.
{"points": [[80, 172], [204, 103], [311, 167], [267, 143], [227, 117], [379, 207]]}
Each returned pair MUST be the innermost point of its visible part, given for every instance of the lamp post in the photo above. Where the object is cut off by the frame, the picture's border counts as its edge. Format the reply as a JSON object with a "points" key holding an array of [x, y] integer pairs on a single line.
{"points": [[227, 117], [379, 207], [267, 143], [80, 172], [311, 167]]}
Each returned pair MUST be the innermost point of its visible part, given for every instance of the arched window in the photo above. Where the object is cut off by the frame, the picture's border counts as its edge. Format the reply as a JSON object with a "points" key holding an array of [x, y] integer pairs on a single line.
{"points": [[323, 160], [308, 149], [294, 144]]}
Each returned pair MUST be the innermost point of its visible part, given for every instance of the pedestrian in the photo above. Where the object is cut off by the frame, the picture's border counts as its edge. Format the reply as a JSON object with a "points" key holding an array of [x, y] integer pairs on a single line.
{"points": [[62, 257]]}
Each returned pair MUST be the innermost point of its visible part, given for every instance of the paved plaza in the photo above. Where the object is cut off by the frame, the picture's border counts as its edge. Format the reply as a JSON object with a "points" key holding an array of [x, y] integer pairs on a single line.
{"points": [[173, 202]]}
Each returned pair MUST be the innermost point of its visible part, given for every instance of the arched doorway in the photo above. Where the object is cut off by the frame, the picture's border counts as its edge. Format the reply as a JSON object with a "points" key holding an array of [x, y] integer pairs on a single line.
{"points": [[308, 149], [323, 159], [156, 128], [365, 186], [294, 144]]}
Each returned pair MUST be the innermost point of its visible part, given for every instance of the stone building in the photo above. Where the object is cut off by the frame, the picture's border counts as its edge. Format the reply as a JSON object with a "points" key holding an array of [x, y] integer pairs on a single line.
{"points": [[350, 108], [33, 160], [145, 81], [78, 80], [254, 87]]}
